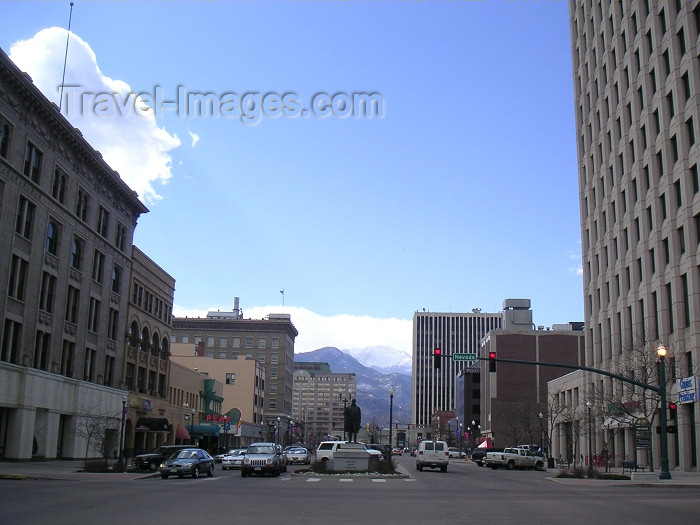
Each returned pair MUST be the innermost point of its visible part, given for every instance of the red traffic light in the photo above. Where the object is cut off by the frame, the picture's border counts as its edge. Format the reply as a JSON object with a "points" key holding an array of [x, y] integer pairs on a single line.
{"points": [[492, 361], [437, 358], [438, 351], [492, 355], [672, 410]]}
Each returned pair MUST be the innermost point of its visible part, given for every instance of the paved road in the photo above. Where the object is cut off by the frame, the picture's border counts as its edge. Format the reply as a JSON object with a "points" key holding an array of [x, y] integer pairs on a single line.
{"points": [[464, 494]]}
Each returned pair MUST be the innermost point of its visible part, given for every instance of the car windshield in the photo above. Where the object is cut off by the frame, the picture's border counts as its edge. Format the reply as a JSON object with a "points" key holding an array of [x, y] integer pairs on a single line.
{"points": [[261, 450], [187, 454]]}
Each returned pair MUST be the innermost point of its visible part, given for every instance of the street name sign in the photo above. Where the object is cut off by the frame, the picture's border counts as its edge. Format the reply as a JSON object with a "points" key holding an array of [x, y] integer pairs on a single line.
{"points": [[464, 357]]}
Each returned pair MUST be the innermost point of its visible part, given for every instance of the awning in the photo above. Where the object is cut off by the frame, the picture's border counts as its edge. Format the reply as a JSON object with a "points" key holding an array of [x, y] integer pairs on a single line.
{"points": [[152, 424], [181, 433], [613, 423], [199, 431]]}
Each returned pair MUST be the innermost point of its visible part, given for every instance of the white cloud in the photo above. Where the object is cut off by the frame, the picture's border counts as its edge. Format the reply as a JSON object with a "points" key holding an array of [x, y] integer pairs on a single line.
{"points": [[130, 141], [341, 331], [194, 137]]}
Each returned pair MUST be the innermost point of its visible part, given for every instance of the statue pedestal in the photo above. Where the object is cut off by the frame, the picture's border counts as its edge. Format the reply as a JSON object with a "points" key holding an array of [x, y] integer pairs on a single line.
{"points": [[350, 457]]}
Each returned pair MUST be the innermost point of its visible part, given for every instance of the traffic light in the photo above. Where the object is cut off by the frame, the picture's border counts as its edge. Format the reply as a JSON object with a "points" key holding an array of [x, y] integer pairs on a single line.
{"points": [[672, 407], [492, 361], [437, 358]]}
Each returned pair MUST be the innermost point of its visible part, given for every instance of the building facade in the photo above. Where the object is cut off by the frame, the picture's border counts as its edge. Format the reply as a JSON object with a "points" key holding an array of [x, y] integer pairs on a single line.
{"points": [[433, 389], [637, 107], [65, 261], [270, 342], [319, 400]]}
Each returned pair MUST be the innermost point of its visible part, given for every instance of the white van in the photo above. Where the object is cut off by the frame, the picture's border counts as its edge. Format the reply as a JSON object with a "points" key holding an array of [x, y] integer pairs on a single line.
{"points": [[433, 454]]}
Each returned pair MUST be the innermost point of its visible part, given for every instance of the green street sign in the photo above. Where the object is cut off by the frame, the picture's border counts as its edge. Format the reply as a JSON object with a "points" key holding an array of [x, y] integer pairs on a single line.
{"points": [[464, 357]]}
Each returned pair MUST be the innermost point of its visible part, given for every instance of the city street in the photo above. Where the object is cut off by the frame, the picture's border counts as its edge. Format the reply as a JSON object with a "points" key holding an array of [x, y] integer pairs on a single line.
{"points": [[465, 493]]}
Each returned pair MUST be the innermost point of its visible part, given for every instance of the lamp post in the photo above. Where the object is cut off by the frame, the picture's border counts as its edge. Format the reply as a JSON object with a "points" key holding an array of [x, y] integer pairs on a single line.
{"points": [[121, 435], [262, 425], [391, 411], [661, 352], [590, 442], [278, 429], [344, 399], [541, 438], [192, 428], [460, 440]]}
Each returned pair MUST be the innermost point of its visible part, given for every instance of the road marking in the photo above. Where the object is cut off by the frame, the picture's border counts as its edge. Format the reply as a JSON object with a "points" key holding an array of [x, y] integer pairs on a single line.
{"points": [[374, 480], [313, 480], [345, 480]]}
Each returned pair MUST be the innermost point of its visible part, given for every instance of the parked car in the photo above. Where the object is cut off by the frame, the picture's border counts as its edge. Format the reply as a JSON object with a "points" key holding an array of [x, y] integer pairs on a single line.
{"points": [[219, 457], [374, 453], [479, 454], [385, 450], [456, 453], [262, 458], [233, 459], [188, 462], [432, 454], [298, 455], [154, 459]]}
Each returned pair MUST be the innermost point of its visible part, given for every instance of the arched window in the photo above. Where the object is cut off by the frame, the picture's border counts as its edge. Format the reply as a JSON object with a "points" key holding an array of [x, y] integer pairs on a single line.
{"points": [[165, 348], [134, 334], [155, 344], [145, 339]]}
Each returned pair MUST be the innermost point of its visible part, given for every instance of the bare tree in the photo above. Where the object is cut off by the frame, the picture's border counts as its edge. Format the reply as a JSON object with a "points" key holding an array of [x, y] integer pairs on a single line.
{"points": [[93, 426]]}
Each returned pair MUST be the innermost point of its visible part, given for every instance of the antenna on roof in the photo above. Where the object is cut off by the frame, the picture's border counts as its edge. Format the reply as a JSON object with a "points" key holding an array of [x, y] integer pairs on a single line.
{"points": [[65, 57]]}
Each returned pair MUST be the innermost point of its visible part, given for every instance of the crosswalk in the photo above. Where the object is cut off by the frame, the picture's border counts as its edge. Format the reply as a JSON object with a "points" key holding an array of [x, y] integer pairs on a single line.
{"points": [[334, 479]]}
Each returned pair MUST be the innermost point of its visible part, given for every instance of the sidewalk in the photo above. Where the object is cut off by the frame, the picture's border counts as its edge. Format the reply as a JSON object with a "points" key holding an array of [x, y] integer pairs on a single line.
{"points": [[678, 479], [62, 470]]}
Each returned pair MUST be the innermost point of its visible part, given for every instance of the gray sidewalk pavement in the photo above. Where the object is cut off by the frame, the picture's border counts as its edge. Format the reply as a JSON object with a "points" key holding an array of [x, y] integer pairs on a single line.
{"points": [[61, 470]]}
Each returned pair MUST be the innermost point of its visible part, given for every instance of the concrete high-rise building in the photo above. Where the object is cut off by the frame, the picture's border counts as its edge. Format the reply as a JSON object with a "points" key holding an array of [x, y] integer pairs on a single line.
{"points": [[637, 106], [433, 390], [320, 397]]}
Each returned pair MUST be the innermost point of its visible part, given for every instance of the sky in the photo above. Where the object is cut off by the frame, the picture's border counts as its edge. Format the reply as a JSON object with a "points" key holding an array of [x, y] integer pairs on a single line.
{"points": [[454, 188]]}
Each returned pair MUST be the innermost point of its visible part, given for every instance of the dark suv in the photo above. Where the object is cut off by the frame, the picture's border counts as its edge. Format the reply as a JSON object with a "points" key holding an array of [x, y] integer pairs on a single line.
{"points": [[153, 460]]}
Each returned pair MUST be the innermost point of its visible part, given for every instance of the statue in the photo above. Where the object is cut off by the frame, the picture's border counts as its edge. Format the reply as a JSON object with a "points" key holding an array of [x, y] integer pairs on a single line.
{"points": [[353, 419]]}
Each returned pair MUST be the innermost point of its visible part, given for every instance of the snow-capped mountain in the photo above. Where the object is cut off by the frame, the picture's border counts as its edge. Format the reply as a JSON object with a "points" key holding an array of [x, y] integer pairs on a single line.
{"points": [[384, 359]]}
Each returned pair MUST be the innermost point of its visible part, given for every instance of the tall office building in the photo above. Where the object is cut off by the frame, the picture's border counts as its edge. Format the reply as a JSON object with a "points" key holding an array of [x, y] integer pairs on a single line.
{"points": [[433, 390], [636, 76]]}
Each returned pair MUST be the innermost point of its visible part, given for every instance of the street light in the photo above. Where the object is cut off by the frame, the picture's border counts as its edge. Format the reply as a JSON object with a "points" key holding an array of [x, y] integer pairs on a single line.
{"points": [[460, 440], [661, 352], [391, 411], [541, 439], [121, 435], [345, 412], [262, 424], [590, 443], [278, 429]]}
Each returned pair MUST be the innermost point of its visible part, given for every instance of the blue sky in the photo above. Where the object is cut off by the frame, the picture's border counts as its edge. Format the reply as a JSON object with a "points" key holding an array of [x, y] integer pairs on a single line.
{"points": [[462, 194]]}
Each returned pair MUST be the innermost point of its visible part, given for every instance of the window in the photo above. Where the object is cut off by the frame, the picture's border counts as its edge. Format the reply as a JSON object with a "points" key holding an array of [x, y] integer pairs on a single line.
{"points": [[261, 342], [25, 218], [47, 292], [67, 353], [273, 388], [117, 279], [113, 324], [76, 253], [72, 302], [274, 358], [236, 342], [89, 365], [690, 131], [81, 205], [137, 296], [98, 266], [273, 373], [222, 355], [18, 278], [249, 342], [52, 234], [32, 162], [103, 222], [223, 342], [58, 186], [681, 240], [120, 239], [94, 315], [230, 379], [11, 342], [109, 370], [42, 344], [5, 132], [261, 358], [210, 341]]}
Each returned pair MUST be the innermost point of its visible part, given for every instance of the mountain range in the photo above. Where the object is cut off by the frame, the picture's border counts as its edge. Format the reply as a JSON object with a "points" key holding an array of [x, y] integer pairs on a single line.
{"points": [[373, 384]]}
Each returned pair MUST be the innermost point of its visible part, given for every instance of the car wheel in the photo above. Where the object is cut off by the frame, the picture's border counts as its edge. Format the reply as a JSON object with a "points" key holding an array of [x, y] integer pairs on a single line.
{"points": [[211, 471], [510, 465], [164, 476], [195, 472], [539, 466]]}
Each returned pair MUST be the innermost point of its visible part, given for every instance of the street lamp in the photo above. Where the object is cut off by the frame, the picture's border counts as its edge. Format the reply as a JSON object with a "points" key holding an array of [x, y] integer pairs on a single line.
{"points": [[345, 413], [541, 438], [278, 429], [460, 440], [391, 411], [661, 352], [262, 424], [121, 435], [590, 443], [192, 428]]}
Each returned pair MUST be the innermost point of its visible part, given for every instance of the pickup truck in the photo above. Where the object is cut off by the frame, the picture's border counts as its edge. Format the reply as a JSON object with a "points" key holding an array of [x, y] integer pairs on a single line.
{"points": [[479, 454], [512, 458]]}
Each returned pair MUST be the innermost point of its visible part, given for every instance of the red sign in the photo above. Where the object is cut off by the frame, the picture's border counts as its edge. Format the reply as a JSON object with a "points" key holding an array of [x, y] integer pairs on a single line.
{"points": [[218, 419]]}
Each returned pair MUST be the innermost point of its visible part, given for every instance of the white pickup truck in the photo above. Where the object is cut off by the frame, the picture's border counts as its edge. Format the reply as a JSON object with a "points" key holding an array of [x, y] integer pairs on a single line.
{"points": [[512, 458]]}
